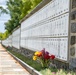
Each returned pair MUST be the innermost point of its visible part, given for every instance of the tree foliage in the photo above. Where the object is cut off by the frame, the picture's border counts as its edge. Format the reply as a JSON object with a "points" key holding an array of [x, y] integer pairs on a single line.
{"points": [[4, 35], [3, 11], [17, 9], [35, 3], [26, 6], [14, 11]]}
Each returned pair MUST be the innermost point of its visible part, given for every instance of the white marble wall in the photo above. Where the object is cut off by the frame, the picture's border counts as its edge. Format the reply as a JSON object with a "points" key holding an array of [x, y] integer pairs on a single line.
{"points": [[51, 10], [10, 41], [5, 42], [53, 28], [48, 28], [16, 38], [56, 46]]}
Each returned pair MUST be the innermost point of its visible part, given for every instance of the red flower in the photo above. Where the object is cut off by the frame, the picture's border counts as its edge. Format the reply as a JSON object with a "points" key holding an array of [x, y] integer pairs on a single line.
{"points": [[52, 56], [46, 57]]}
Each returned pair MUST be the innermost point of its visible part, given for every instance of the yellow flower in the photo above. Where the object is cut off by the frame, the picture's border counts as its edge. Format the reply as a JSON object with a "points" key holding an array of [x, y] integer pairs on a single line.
{"points": [[34, 57], [36, 53]]}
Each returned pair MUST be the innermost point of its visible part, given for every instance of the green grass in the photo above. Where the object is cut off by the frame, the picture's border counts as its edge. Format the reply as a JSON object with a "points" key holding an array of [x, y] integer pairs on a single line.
{"points": [[29, 61]]}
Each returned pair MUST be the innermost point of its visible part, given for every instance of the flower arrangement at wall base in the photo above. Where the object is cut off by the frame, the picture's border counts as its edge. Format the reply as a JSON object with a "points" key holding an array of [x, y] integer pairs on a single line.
{"points": [[43, 57]]}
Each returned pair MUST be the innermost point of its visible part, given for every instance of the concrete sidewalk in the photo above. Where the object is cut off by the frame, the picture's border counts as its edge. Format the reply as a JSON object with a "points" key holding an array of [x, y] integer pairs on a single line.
{"points": [[9, 66]]}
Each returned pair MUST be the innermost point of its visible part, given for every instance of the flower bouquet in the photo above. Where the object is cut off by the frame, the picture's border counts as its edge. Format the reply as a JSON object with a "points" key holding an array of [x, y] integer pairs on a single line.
{"points": [[43, 57]]}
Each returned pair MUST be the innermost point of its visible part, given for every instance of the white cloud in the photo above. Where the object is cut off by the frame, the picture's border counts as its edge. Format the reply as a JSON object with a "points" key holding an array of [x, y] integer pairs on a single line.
{"points": [[4, 17], [4, 6], [3, 21], [2, 28], [2, 2]]}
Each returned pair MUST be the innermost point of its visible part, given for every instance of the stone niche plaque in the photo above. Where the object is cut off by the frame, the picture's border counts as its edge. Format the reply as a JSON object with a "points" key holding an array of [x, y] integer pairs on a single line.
{"points": [[73, 27], [72, 40], [73, 3], [72, 51], [73, 15]]}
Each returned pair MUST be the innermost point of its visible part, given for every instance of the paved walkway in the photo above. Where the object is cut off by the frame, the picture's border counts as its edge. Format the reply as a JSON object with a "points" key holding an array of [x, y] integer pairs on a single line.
{"points": [[9, 66]]}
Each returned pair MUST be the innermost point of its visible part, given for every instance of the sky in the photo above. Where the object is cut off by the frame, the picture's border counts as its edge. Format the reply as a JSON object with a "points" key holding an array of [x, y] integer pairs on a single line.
{"points": [[4, 17]]}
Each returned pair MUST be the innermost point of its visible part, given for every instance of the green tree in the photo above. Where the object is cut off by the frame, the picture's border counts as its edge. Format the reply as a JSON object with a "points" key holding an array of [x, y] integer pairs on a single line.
{"points": [[0, 36], [17, 9], [35, 3], [9, 26], [14, 10], [4, 35], [26, 6], [3, 11]]}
